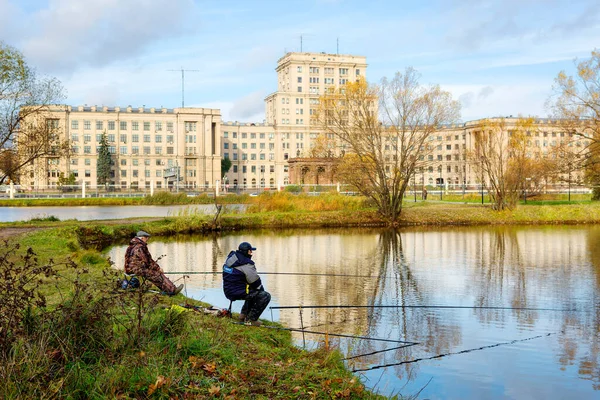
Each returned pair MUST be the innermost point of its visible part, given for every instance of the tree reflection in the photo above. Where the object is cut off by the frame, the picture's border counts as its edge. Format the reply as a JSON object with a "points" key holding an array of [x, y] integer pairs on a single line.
{"points": [[397, 285]]}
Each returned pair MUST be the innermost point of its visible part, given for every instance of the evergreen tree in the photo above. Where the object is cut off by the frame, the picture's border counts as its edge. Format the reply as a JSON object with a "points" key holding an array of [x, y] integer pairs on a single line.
{"points": [[103, 164], [225, 166]]}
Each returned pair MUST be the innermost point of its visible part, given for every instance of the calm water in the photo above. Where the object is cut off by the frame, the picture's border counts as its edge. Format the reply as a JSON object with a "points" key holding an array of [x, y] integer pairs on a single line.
{"points": [[88, 213], [520, 354]]}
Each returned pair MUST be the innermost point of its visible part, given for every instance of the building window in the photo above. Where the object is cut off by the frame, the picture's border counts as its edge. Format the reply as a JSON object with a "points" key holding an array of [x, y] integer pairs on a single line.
{"points": [[146, 150], [158, 139], [146, 126], [157, 150], [190, 126], [87, 149], [299, 89], [135, 126], [111, 125], [135, 138], [135, 150], [158, 126], [88, 173], [169, 126], [299, 69], [123, 150], [146, 138], [87, 125], [99, 125], [111, 137], [123, 138], [74, 124], [123, 125], [225, 145]]}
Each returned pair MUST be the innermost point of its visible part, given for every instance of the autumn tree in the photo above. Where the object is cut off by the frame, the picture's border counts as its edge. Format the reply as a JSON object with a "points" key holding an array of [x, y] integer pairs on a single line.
{"points": [[503, 154], [103, 163], [25, 99], [383, 129], [576, 102]]}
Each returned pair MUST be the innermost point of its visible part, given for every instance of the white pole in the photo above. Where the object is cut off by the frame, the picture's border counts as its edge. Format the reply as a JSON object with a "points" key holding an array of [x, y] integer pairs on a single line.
{"points": [[217, 187], [151, 188], [12, 190], [83, 190], [338, 187]]}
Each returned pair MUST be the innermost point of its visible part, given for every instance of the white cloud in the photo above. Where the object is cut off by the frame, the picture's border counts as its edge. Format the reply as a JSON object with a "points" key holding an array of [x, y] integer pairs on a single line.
{"points": [[483, 101], [71, 33], [248, 106]]}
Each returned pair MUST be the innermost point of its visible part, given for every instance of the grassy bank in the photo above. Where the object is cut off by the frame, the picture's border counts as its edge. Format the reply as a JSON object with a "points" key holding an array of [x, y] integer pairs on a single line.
{"points": [[161, 198], [68, 333]]}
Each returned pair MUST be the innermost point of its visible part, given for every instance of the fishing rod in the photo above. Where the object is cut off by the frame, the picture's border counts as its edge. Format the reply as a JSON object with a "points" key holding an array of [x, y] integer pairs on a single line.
{"points": [[377, 352], [340, 335], [454, 353], [265, 273], [428, 306]]}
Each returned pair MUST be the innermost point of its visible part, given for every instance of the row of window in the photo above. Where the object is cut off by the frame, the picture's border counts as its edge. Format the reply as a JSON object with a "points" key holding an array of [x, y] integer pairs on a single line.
{"points": [[299, 100], [253, 156], [190, 126], [327, 70], [244, 145], [146, 150], [244, 135], [253, 169], [111, 138], [286, 121]]}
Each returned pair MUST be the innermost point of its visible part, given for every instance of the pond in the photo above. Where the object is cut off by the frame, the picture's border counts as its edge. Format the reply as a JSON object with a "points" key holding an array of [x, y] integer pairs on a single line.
{"points": [[89, 213], [507, 312]]}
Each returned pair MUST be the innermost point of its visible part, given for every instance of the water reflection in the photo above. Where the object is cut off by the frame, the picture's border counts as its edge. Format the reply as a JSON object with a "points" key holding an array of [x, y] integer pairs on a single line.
{"points": [[536, 267]]}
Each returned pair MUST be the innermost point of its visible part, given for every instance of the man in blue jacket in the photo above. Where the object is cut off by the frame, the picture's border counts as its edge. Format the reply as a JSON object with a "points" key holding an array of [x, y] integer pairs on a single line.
{"points": [[241, 282]]}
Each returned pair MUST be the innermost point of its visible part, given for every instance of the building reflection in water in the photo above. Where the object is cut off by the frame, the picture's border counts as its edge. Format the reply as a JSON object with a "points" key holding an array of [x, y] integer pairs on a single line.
{"points": [[519, 267]]}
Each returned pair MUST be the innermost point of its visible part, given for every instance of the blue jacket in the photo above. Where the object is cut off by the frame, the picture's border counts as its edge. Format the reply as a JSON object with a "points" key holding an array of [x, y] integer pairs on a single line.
{"points": [[239, 276]]}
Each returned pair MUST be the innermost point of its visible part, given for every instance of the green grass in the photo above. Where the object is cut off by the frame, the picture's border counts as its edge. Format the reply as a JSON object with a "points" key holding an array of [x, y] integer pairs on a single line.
{"points": [[87, 343]]}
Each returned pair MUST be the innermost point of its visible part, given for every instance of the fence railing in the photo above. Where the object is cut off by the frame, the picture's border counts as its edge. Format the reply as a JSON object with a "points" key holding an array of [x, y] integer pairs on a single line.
{"points": [[79, 191]]}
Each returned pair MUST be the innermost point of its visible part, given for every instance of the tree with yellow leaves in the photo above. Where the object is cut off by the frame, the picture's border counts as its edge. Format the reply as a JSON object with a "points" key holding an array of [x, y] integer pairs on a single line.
{"points": [[576, 102], [383, 129], [503, 155]]}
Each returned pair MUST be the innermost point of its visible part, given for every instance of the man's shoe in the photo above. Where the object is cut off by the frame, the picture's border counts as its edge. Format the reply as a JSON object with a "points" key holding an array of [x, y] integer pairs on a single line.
{"points": [[242, 317], [177, 290]]}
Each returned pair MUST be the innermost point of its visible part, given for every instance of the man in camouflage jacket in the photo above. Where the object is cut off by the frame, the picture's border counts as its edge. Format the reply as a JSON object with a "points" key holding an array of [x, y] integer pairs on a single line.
{"points": [[138, 261]]}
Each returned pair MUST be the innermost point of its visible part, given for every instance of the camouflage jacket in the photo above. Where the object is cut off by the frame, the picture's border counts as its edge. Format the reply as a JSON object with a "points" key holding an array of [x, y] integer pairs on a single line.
{"points": [[138, 259]]}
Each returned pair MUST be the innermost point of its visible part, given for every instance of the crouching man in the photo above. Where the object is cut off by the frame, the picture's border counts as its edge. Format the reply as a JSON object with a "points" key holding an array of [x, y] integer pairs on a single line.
{"points": [[241, 282], [139, 261]]}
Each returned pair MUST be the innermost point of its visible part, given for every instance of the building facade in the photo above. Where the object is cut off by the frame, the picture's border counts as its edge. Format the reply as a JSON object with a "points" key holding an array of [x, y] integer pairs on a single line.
{"points": [[149, 147], [158, 147]]}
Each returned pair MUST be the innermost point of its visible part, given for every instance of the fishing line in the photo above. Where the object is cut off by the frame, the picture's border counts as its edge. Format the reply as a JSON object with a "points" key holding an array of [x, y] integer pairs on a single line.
{"points": [[450, 354], [339, 335], [378, 351], [431, 306], [267, 273]]}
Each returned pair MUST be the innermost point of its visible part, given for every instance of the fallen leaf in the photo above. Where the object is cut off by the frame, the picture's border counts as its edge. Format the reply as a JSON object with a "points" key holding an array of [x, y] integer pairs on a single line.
{"points": [[214, 390]]}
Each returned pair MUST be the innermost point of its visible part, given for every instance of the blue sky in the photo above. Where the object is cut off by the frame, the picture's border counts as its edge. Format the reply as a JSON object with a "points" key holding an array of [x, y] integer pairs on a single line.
{"points": [[496, 57]]}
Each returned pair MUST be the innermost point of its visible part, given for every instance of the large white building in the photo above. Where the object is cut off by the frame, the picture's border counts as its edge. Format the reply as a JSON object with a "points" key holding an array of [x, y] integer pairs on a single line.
{"points": [[153, 147]]}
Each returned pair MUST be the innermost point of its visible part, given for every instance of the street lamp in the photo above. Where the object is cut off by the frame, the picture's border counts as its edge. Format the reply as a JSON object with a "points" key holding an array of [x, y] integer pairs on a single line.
{"points": [[440, 182], [415, 185], [482, 178], [525, 190]]}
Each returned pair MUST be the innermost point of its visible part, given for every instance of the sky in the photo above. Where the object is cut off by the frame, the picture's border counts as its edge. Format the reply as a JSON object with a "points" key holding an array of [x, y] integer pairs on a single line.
{"points": [[498, 58]]}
